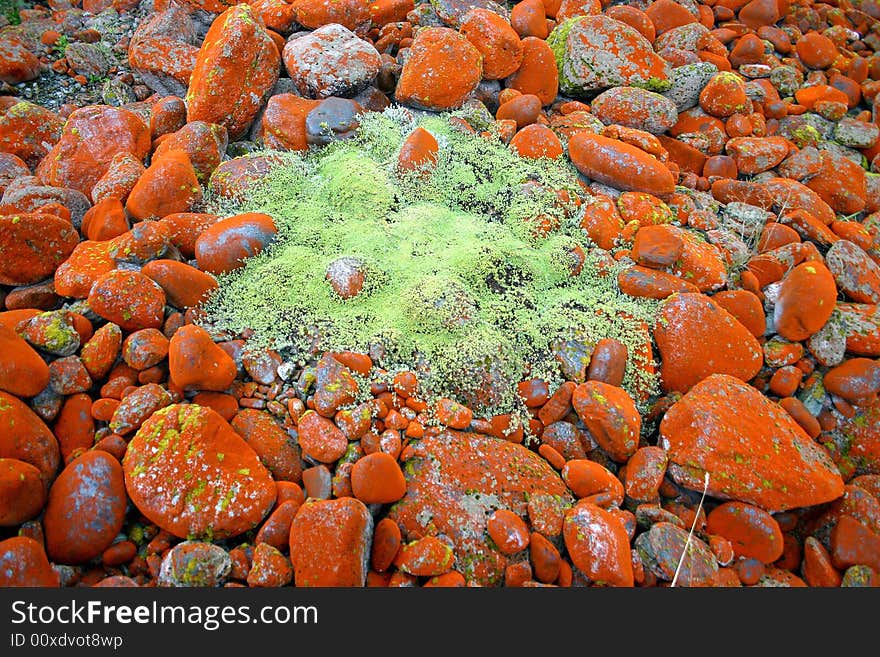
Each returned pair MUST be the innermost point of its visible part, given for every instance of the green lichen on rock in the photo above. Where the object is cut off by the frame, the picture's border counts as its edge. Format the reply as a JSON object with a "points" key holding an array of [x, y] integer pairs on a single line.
{"points": [[457, 284]]}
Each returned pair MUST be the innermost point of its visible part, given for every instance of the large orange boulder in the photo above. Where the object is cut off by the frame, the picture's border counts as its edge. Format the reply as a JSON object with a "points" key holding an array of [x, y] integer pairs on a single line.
{"points": [[91, 138], [447, 484], [236, 69], [189, 472], [442, 70], [751, 448], [696, 338]]}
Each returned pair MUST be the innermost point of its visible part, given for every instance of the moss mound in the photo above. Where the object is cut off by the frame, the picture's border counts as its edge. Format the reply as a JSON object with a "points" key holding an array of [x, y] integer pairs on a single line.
{"points": [[458, 286]]}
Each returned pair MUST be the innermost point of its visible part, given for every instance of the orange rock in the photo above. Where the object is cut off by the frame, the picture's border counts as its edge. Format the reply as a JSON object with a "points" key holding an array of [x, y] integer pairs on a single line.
{"points": [[100, 352], [536, 141], [619, 165], [758, 13], [635, 18], [22, 492], [508, 531], [274, 446], [757, 154], [105, 220], [269, 567], [129, 299], [853, 544], [805, 301], [33, 245], [592, 482], [446, 473], [443, 68], [644, 474], [853, 380], [320, 439], [608, 362], [751, 448], [377, 479], [91, 138], [668, 14], [213, 483], [184, 285], [602, 221], [29, 131], [537, 74], [235, 70], [383, 12], [224, 245], [167, 115], [752, 531], [23, 563], [75, 429], [816, 50], [425, 557], [204, 143], [724, 95], [195, 362], [697, 338], [122, 175], [277, 15], [597, 52], [283, 126], [330, 543], [610, 416], [419, 151], [523, 110], [353, 14], [184, 229], [453, 415], [496, 40], [598, 545], [810, 95], [22, 372], [644, 282], [17, 63], [86, 508], [745, 307], [161, 48], [656, 246], [137, 406], [545, 558], [529, 19], [817, 567], [276, 530], [168, 186], [840, 183]]}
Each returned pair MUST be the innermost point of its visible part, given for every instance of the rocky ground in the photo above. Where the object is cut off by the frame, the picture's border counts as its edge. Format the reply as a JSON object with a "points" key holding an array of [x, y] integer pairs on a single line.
{"points": [[724, 153]]}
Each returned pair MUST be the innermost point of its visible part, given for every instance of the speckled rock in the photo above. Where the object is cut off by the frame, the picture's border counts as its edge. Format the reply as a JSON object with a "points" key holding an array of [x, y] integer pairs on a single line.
{"points": [[635, 108], [455, 481], [331, 61], [662, 548], [195, 564], [597, 52]]}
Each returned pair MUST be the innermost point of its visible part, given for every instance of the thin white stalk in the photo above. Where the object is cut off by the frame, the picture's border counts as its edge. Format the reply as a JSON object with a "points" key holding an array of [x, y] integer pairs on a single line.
{"points": [[693, 527]]}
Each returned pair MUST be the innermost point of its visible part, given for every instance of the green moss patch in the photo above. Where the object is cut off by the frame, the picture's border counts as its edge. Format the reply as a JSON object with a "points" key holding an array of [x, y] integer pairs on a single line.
{"points": [[458, 286]]}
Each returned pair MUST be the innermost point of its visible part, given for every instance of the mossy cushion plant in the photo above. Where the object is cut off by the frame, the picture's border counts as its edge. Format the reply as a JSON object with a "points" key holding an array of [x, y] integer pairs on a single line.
{"points": [[459, 284]]}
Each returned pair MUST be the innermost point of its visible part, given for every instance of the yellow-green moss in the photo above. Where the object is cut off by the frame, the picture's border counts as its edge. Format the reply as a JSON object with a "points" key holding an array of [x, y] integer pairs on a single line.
{"points": [[458, 286]]}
